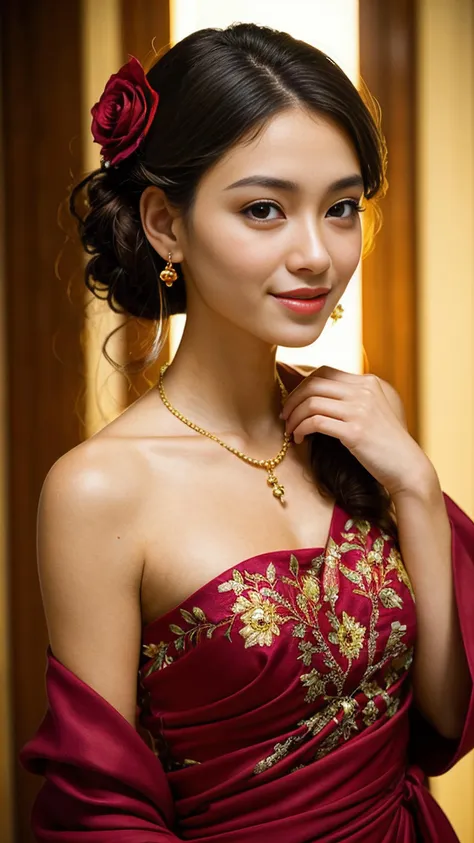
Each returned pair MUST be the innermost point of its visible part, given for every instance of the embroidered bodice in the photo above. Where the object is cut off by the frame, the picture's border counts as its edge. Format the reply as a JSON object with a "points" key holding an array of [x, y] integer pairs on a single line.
{"points": [[279, 659]]}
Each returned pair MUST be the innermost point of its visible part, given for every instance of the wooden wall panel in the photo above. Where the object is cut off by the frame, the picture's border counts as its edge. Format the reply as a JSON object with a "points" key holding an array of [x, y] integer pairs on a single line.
{"points": [[388, 67], [145, 28], [41, 70], [145, 33], [6, 753]]}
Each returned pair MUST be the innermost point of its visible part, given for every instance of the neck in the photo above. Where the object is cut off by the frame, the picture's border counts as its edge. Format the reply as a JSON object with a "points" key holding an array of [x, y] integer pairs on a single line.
{"points": [[227, 388]]}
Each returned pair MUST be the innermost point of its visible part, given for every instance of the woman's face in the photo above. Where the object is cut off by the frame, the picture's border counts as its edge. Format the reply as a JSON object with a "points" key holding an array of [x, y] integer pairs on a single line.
{"points": [[249, 241]]}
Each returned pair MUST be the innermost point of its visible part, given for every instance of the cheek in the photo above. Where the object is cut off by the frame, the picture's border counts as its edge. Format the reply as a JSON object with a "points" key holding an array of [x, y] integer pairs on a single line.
{"points": [[345, 248], [226, 243]]}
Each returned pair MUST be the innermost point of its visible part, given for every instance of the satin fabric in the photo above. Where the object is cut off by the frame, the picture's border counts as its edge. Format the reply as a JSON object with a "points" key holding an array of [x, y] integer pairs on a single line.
{"points": [[223, 751]]}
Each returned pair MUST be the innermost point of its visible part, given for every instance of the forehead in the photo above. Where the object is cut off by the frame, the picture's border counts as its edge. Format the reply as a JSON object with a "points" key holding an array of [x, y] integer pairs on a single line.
{"points": [[310, 149]]}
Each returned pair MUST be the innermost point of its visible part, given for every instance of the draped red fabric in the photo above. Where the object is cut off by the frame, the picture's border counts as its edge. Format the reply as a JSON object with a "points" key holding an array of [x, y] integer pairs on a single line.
{"points": [[275, 704]]}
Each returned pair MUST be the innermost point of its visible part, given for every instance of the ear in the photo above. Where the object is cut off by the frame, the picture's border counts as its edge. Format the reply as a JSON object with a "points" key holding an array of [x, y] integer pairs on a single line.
{"points": [[161, 223]]}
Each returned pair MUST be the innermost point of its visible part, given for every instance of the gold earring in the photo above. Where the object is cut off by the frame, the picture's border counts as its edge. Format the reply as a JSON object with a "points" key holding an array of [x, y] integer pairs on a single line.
{"points": [[337, 313], [169, 274]]}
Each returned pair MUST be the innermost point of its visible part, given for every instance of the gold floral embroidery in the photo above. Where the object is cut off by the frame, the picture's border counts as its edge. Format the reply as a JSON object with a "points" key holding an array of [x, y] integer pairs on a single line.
{"points": [[395, 563], [370, 713], [261, 619], [350, 636], [310, 588], [266, 601], [158, 652], [370, 689], [197, 626]]}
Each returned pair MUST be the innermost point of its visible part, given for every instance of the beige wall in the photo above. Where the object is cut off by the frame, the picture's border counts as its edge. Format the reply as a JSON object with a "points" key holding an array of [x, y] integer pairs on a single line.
{"points": [[446, 272]]}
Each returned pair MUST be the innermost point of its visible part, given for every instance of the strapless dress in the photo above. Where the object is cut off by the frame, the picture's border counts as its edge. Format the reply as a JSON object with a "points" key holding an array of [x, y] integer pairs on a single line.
{"points": [[275, 705]]}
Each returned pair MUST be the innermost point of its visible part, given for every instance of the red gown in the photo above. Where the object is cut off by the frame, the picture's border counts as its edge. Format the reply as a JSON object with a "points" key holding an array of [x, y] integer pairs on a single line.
{"points": [[274, 705]]}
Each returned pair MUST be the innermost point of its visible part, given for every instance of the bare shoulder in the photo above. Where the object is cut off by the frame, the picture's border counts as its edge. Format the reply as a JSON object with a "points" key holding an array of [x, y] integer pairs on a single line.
{"points": [[90, 566], [98, 472]]}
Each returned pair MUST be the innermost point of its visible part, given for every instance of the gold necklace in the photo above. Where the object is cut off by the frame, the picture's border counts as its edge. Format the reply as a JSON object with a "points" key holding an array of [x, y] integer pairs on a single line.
{"points": [[268, 465]]}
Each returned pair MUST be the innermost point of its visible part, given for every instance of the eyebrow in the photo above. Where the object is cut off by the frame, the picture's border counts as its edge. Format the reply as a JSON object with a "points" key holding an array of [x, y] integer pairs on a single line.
{"points": [[354, 180]]}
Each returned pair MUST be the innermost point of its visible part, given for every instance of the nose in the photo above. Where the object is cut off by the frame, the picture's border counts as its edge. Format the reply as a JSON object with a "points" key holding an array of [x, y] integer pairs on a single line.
{"points": [[308, 251]]}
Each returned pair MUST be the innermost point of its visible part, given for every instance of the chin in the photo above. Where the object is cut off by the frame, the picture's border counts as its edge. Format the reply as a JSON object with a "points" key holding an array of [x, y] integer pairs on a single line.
{"points": [[300, 338]]}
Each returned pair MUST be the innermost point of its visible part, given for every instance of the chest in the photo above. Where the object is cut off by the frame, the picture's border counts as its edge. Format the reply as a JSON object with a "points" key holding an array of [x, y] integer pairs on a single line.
{"points": [[208, 510], [339, 626]]}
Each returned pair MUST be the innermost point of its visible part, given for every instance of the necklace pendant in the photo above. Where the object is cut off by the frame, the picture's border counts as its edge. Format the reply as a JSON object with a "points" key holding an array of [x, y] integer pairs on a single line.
{"points": [[278, 488]]}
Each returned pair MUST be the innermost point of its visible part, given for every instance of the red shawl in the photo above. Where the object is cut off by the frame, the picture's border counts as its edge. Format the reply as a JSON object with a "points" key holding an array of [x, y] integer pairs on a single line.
{"points": [[275, 704]]}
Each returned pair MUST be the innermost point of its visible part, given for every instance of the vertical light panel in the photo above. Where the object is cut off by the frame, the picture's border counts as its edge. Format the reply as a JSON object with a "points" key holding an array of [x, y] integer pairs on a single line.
{"points": [[446, 272], [334, 28], [105, 388]]}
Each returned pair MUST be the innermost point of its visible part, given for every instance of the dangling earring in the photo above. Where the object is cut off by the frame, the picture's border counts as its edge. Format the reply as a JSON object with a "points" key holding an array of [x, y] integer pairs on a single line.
{"points": [[337, 313], [169, 274]]}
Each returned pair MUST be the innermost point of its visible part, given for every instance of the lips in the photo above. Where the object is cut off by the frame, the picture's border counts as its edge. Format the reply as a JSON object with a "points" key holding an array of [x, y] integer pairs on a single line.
{"points": [[302, 294], [304, 306], [303, 299]]}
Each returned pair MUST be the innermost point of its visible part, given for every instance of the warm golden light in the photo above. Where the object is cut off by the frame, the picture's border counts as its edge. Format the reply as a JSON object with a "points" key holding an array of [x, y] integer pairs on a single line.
{"points": [[105, 388], [446, 290]]}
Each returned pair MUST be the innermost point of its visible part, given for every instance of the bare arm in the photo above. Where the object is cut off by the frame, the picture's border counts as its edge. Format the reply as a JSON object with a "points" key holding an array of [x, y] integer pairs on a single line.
{"points": [[441, 680], [440, 669], [101, 780], [90, 563]]}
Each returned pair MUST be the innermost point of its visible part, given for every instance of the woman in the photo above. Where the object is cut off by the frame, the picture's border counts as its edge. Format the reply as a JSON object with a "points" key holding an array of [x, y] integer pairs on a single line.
{"points": [[236, 654]]}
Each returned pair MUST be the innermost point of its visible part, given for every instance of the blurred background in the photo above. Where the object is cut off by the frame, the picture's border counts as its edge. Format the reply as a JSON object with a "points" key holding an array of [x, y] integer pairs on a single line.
{"points": [[409, 311]]}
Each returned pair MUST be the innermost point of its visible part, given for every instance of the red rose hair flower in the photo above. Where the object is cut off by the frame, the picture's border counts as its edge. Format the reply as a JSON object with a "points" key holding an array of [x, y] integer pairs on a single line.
{"points": [[124, 112]]}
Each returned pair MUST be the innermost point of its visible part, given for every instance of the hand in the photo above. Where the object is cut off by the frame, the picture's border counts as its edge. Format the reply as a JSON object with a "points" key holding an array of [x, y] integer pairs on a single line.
{"points": [[366, 415]]}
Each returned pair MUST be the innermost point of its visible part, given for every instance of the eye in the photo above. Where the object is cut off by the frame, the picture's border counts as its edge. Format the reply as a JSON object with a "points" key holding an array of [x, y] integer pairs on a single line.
{"points": [[260, 211], [351, 205]]}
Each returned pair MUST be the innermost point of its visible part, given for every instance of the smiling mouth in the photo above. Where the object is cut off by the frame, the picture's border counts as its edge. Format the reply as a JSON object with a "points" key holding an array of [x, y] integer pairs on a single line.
{"points": [[304, 305]]}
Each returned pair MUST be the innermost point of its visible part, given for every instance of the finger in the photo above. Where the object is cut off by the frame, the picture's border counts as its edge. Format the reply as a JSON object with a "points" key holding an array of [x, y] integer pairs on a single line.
{"points": [[320, 424], [313, 385], [338, 374], [315, 405]]}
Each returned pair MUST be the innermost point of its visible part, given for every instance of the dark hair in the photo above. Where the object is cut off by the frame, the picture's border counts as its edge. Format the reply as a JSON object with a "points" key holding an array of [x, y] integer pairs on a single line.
{"points": [[216, 87]]}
